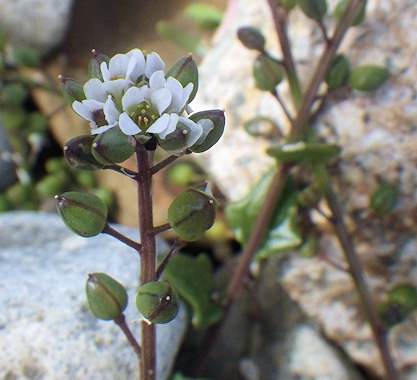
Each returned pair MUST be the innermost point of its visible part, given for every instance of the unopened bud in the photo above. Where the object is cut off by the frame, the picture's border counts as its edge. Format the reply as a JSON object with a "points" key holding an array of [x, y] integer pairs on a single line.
{"points": [[251, 37], [185, 71], [158, 301], [314, 9], [94, 65], [77, 152], [83, 213], [72, 89], [106, 297], [267, 72]]}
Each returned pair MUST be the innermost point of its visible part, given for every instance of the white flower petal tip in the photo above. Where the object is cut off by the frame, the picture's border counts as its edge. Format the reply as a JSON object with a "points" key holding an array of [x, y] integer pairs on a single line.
{"points": [[127, 125]]}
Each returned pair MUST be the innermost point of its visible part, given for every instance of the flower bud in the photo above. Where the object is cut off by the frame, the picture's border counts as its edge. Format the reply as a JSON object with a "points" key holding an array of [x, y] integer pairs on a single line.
{"points": [[289, 4], [106, 297], [191, 214], [340, 9], [77, 152], [267, 72], [300, 151], [251, 38], [83, 213], [176, 142], [218, 120], [158, 301], [71, 89], [314, 9], [384, 199], [185, 71], [94, 70], [113, 146], [338, 73], [368, 77]]}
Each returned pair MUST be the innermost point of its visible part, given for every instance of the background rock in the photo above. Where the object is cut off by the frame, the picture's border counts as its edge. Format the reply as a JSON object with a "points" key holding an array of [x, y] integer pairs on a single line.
{"points": [[378, 136], [46, 328]]}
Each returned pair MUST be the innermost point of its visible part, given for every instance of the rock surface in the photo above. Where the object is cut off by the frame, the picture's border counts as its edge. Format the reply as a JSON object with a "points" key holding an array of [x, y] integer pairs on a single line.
{"points": [[378, 136], [46, 329], [40, 24]]}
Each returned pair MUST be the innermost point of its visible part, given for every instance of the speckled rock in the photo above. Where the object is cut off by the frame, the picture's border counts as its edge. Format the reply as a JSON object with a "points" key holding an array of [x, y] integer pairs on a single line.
{"points": [[46, 329], [40, 24], [378, 135]]}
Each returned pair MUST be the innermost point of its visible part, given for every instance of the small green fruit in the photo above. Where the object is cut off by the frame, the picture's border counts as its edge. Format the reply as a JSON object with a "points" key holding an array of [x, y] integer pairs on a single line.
{"points": [[251, 37], [83, 213], [191, 214], [338, 73], [314, 9], [267, 72], [368, 77], [158, 301], [341, 8], [113, 146], [384, 199], [106, 297], [77, 152]]}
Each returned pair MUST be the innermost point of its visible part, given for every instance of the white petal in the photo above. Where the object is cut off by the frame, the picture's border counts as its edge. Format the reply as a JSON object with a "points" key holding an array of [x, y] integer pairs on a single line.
{"points": [[153, 63], [157, 80], [118, 66], [177, 94], [172, 125], [159, 125], [127, 125], [93, 104], [110, 111], [195, 131], [94, 89], [136, 66], [161, 99], [104, 128], [82, 110], [105, 71], [146, 92], [117, 87], [207, 125], [132, 98], [188, 89]]}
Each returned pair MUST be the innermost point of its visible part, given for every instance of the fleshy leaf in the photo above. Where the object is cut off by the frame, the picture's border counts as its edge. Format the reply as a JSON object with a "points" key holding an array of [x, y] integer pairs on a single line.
{"points": [[283, 233], [192, 277]]}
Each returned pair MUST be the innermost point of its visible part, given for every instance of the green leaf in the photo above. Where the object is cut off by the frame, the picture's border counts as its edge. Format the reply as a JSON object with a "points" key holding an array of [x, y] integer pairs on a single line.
{"points": [[206, 16], [192, 277], [300, 151], [384, 199], [180, 376], [283, 233]]}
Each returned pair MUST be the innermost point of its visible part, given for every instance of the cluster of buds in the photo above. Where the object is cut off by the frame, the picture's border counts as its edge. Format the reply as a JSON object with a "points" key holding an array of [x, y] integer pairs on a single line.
{"points": [[131, 93]]}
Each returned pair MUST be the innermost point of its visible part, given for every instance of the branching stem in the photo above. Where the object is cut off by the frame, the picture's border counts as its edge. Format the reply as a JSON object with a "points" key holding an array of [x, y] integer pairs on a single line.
{"points": [[124, 239], [121, 322]]}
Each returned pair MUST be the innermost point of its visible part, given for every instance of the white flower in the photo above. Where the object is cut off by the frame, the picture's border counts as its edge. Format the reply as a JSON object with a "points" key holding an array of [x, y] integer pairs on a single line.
{"points": [[153, 63]]}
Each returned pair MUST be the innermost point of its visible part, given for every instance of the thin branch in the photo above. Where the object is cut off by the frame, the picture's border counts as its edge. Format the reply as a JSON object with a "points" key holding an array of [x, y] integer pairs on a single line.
{"points": [[120, 169], [178, 244], [157, 230], [121, 322], [323, 30], [283, 106], [160, 165], [124, 239]]}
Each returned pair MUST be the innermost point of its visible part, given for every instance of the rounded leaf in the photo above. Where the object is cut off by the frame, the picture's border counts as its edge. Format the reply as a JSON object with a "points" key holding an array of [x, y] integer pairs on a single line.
{"points": [[83, 213], [301, 151], [77, 152], [218, 120], [112, 147], [267, 72], [404, 295], [340, 9], [384, 199], [314, 9], [106, 297], [191, 214], [158, 301], [368, 77], [338, 73], [251, 37]]}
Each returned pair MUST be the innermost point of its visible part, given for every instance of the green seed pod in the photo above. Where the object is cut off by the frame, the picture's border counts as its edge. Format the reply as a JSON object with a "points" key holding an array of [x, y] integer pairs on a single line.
{"points": [[83, 213], [340, 9], [106, 297], [94, 70], [405, 296], [289, 4], [338, 73], [251, 37], [368, 77], [384, 199], [185, 71], [314, 9], [77, 152], [191, 214], [113, 146], [267, 72], [158, 301], [71, 89], [218, 120]]}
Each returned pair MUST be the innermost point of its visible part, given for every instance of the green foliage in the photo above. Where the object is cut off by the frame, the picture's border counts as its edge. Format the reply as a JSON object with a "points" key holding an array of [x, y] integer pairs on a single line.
{"points": [[180, 376], [267, 72], [368, 77], [251, 38], [282, 234], [338, 73], [26, 56], [384, 199], [341, 8], [185, 71], [307, 152], [192, 277], [206, 16], [314, 9], [218, 120], [182, 174]]}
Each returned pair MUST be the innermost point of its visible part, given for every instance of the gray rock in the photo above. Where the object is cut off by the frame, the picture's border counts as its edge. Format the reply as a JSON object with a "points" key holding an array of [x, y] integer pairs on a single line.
{"points": [[46, 329], [40, 24]]}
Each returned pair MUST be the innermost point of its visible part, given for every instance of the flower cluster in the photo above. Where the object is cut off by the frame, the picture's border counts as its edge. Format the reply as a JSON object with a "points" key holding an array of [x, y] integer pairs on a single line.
{"points": [[132, 92]]}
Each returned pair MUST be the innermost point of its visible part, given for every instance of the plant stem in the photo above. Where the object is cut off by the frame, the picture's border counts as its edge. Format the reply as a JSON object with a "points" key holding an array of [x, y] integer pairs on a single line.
{"points": [[124, 239], [357, 273], [121, 322], [178, 244], [163, 163], [148, 256], [120, 169]]}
